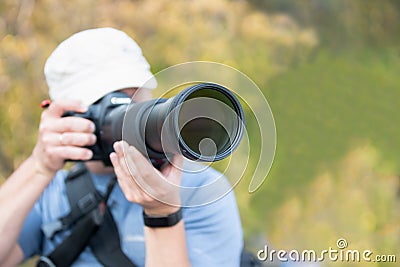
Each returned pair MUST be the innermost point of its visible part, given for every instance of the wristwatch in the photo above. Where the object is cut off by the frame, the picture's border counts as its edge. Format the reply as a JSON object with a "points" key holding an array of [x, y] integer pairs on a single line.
{"points": [[162, 221]]}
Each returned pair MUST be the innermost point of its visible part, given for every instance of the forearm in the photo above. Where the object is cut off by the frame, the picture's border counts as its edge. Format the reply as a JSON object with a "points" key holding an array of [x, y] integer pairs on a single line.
{"points": [[166, 246], [17, 197]]}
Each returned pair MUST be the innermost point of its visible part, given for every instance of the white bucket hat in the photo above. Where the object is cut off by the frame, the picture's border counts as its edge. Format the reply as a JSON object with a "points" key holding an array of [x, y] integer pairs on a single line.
{"points": [[95, 62]]}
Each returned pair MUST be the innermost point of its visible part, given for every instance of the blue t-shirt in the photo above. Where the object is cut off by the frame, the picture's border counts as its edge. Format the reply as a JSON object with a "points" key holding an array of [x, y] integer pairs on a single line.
{"points": [[213, 231]]}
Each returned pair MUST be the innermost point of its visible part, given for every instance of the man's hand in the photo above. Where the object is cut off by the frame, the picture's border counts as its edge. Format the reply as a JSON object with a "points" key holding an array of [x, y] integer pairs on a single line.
{"points": [[156, 191], [61, 138]]}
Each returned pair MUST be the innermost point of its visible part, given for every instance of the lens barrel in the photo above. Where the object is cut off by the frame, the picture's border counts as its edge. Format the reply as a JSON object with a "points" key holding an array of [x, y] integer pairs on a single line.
{"points": [[204, 122]]}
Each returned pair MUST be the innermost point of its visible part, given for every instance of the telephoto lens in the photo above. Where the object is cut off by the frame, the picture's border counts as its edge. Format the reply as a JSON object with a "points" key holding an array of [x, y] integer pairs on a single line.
{"points": [[203, 122]]}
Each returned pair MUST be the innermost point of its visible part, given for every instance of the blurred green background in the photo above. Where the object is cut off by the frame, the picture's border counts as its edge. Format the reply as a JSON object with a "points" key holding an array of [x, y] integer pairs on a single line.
{"points": [[328, 68]]}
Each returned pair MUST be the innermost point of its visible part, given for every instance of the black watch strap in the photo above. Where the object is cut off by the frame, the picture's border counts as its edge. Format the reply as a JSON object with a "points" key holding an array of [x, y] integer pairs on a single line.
{"points": [[165, 221]]}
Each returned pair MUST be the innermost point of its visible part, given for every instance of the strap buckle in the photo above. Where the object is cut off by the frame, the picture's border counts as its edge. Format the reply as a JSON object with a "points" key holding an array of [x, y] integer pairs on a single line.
{"points": [[45, 262], [50, 229]]}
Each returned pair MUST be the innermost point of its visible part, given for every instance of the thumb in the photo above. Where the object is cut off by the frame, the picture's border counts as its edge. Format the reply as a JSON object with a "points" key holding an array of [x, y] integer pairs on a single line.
{"points": [[174, 168]]}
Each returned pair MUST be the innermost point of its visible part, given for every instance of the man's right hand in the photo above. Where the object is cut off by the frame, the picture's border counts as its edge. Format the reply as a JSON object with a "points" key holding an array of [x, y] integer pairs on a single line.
{"points": [[61, 138]]}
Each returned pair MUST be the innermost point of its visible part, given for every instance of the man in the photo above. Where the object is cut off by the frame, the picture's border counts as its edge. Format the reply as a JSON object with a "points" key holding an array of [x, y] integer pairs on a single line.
{"points": [[81, 70]]}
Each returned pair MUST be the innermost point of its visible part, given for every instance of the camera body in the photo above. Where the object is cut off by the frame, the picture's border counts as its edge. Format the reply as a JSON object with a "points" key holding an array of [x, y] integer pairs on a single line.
{"points": [[102, 114]]}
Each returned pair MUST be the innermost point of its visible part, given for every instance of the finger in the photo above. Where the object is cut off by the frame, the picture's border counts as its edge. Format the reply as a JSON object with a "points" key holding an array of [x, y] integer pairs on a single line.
{"points": [[119, 172], [121, 148], [114, 160], [173, 170], [71, 153], [148, 178], [118, 148], [145, 173], [136, 158], [124, 180], [58, 108], [121, 160], [138, 177], [147, 187], [129, 166], [147, 182], [77, 139], [69, 124], [68, 139], [177, 161]]}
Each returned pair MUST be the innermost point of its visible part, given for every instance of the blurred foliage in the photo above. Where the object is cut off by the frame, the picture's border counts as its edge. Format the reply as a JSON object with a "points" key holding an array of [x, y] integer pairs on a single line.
{"points": [[170, 32], [325, 107], [329, 69], [343, 23], [355, 200]]}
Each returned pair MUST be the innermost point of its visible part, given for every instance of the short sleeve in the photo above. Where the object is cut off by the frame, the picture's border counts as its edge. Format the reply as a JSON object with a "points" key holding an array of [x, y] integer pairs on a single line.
{"points": [[30, 238], [214, 233]]}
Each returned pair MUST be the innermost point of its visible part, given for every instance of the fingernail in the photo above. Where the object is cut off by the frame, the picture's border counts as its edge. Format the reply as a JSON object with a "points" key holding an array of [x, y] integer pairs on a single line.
{"points": [[83, 108], [89, 154], [92, 127], [116, 146], [93, 138], [124, 143], [132, 149]]}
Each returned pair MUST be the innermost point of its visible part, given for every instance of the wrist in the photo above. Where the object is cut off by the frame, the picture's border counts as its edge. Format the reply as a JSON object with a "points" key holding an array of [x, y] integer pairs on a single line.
{"points": [[160, 211], [40, 169]]}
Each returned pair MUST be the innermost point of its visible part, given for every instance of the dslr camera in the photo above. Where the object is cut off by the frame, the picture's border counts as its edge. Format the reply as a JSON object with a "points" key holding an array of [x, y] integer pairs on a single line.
{"points": [[204, 122]]}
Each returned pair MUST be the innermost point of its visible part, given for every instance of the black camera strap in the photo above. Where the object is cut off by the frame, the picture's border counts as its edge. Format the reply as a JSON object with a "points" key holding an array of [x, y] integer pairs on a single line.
{"points": [[92, 224], [70, 249], [105, 244]]}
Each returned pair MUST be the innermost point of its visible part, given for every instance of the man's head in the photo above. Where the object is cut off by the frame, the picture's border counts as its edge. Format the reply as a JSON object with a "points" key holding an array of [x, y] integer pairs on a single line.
{"points": [[95, 62]]}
